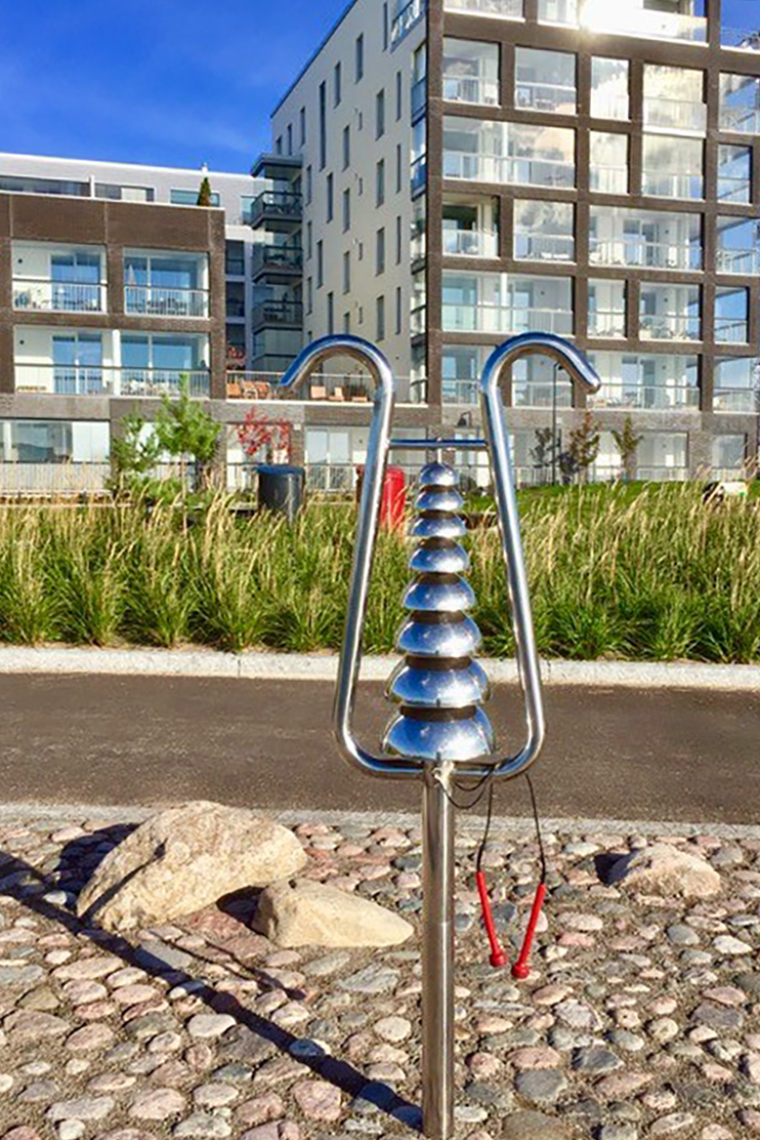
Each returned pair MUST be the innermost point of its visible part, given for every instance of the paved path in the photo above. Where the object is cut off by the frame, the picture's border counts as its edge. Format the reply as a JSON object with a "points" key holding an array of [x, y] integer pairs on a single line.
{"points": [[616, 754]]}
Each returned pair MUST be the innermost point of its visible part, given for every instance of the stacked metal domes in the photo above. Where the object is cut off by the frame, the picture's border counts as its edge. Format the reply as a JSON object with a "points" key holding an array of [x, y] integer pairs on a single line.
{"points": [[439, 686]]}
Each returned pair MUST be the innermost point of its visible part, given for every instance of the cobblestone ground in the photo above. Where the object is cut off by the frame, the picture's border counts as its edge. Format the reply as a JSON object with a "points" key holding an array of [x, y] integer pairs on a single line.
{"points": [[640, 1018]]}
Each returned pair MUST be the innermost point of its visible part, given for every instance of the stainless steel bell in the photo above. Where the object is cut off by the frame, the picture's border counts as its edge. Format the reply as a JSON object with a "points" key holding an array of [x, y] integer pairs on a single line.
{"points": [[438, 686]]}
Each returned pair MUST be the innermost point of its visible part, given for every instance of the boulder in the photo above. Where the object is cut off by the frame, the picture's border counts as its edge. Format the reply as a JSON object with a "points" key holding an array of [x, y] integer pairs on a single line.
{"points": [[664, 870], [305, 913], [183, 859]]}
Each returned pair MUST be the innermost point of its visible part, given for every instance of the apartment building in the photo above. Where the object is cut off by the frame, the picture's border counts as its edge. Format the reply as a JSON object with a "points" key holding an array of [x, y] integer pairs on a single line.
{"points": [[132, 182], [448, 172]]}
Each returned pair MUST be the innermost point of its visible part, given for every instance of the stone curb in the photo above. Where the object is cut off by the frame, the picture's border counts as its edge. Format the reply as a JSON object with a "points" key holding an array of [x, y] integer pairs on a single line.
{"points": [[501, 825], [323, 666]]}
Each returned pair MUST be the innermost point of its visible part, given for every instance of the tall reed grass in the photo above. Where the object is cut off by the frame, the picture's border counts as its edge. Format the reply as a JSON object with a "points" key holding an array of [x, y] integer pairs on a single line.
{"points": [[655, 575]]}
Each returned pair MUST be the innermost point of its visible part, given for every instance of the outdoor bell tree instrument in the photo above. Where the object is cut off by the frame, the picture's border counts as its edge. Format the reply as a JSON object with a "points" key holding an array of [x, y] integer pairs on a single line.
{"points": [[440, 733]]}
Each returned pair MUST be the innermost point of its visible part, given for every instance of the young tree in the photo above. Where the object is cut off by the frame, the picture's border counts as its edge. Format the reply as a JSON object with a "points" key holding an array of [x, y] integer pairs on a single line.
{"points": [[584, 446], [204, 193], [184, 429], [545, 450], [626, 441], [133, 454]]}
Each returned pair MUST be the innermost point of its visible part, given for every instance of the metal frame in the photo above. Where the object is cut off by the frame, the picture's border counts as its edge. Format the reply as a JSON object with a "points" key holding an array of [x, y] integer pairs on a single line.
{"points": [[438, 866]]}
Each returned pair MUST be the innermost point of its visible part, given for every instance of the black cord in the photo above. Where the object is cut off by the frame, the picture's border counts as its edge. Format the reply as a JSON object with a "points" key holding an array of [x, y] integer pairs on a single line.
{"points": [[487, 828], [538, 828]]}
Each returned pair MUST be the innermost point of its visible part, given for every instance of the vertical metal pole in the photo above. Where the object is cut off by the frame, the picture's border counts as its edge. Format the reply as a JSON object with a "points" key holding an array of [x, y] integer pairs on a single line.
{"points": [[437, 953], [554, 426]]}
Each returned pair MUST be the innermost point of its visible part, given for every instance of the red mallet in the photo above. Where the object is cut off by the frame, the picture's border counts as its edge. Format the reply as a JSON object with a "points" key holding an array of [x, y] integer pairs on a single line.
{"points": [[521, 967], [498, 957]]}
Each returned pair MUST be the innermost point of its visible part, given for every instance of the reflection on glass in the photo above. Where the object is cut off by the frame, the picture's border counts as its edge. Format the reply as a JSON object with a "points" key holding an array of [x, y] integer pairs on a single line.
{"points": [[729, 456], [738, 245], [499, 303], [734, 173], [479, 150], [470, 71], [606, 308], [731, 315], [545, 80], [608, 169], [544, 231], [673, 167], [735, 384], [650, 239], [670, 312], [653, 19], [645, 380], [609, 88], [740, 104], [471, 227], [674, 97]]}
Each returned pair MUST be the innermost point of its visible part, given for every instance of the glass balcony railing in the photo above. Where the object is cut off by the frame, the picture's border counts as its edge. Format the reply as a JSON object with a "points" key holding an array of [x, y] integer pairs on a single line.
{"points": [[539, 394], [108, 380], [667, 184], [731, 330], [535, 246], [284, 258], [44, 295], [419, 173], [470, 243], [58, 476], [408, 16], [334, 388], [677, 114], [277, 313], [606, 323], [276, 204], [495, 318], [157, 301], [419, 98], [735, 400], [606, 105], [552, 97], [645, 254], [511, 171], [500, 9], [655, 397], [608, 179], [741, 261], [743, 39], [734, 189], [471, 89], [669, 326], [740, 120], [638, 20]]}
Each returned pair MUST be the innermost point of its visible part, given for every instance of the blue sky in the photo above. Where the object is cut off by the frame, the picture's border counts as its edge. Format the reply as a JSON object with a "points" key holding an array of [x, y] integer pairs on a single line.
{"points": [[170, 82]]}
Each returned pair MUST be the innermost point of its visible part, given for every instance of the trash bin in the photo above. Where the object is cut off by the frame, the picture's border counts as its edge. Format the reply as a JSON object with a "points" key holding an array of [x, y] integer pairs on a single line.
{"points": [[281, 488], [393, 499]]}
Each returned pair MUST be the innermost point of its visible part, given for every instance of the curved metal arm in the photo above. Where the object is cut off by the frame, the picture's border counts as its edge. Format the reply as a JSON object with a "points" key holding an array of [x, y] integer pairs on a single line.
{"points": [[369, 510], [495, 427]]}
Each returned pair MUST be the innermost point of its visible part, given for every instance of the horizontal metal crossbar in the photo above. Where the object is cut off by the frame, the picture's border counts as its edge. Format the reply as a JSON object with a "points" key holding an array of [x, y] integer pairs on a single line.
{"points": [[436, 444]]}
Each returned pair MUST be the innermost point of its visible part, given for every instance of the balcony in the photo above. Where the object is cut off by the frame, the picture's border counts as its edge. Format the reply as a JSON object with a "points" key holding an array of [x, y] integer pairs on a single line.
{"points": [[287, 313], [333, 388], [61, 476], [419, 98], [637, 254], [108, 380], [553, 98], [157, 301], [740, 120], [731, 330], [734, 188], [641, 21], [498, 170], [607, 323], [737, 400], [495, 9], [277, 261], [471, 89], [419, 174], [532, 246], [469, 243], [745, 262], [675, 114], [46, 296], [657, 398], [278, 210], [407, 18], [496, 319], [670, 326]]}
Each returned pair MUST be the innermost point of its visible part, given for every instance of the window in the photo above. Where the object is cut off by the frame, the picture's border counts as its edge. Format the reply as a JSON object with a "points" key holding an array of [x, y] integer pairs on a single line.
{"points": [[359, 56], [606, 308], [608, 167], [309, 239], [471, 227], [330, 197], [470, 72], [330, 314], [151, 364], [309, 296], [500, 303], [166, 284], [234, 259], [346, 147], [740, 104], [322, 126], [670, 312], [648, 239], [320, 265], [289, 134], [398, 239], [126, 193], [54, 441], [738, 245], [736, 380], [380, 251], [380, 183], [729, 457], [399, 311], [609, 88], [31, 185], [673, 167], [419, 81], [337, 95], [346, 323], [674, 97], [399, 167], [189, 197], [545, 80], [380, 318], [734, 173], [647, 380], [346, 210], [309, 185], [380, 114], [731, 315], [302, 121], [278, 145], [525, 154], [399, 96], [346, 271], [543, 231]]}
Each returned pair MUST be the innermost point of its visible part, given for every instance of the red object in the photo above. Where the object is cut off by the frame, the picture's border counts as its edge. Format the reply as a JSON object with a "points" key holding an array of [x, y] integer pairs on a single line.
{"points": [[393, 501], [521, 968], [498, 957]]}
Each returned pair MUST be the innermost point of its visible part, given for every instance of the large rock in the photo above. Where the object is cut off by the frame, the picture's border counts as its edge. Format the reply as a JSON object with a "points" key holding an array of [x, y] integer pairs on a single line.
{"points": [[183, 859], [305, 913], [527, 1125], [664, 870]]}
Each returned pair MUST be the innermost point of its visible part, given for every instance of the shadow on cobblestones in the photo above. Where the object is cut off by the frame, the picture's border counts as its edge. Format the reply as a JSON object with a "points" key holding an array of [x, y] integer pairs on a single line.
{"points": [[16, 877]]}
